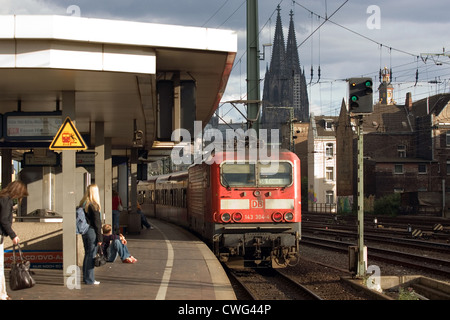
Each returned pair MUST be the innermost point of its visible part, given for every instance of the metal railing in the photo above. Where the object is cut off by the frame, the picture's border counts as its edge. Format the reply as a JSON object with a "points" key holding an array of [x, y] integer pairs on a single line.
{"points": [[323, 207]]}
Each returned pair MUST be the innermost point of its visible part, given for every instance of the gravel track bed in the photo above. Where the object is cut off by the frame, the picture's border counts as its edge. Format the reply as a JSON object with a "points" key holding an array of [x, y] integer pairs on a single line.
{"points": [[322, 280], [325, 281], [313, 271], [340, 260]]}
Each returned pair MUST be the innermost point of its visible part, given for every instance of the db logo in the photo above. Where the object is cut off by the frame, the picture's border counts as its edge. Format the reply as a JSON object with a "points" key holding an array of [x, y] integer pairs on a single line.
{"points": [[256, 203]]}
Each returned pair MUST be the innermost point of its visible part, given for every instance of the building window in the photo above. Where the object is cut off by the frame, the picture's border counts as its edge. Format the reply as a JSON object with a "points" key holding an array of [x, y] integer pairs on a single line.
{"points": [[422, 168], [401, 150], [448, 168], [328, 125], [329, 197], [398, 168], [329, 173], [447, 138], [329, 150]]}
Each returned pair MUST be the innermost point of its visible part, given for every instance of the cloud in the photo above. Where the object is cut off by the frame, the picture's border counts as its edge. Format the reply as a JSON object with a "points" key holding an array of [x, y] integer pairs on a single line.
{"points": [[18, 7], [406, 27]]}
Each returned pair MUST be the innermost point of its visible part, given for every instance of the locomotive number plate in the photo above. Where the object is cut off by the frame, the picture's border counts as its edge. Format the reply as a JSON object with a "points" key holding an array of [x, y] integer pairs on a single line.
{"points": [[257, 217]]}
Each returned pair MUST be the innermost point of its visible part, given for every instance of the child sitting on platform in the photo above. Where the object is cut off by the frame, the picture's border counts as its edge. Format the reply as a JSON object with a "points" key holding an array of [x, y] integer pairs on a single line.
{"points": [[115, 245]]}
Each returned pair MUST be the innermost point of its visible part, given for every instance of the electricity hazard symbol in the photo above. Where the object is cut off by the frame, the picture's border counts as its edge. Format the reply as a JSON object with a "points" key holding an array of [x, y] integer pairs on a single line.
{"points": [[68, 138]]}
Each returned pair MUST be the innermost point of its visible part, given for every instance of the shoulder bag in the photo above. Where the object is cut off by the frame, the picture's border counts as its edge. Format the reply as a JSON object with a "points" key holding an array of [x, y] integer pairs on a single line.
{"points": [[20, 274], [100, 258]]}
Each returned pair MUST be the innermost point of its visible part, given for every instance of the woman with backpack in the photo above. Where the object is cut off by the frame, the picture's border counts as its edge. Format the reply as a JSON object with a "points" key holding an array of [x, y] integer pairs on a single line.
{"points": [[93, 237]]}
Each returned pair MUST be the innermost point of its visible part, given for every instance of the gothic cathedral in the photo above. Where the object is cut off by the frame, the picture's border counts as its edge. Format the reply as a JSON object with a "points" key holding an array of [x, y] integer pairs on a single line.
{"points": [[285, 96]]}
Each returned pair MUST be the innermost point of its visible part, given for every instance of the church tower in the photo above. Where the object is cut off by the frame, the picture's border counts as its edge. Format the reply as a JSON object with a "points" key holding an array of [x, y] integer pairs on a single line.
{"points": [[386, 90], [299, 94], [285, 96]]}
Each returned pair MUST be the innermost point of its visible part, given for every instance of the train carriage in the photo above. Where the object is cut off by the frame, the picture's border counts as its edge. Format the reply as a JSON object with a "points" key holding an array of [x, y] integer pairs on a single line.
{"points": [[245, 210]]}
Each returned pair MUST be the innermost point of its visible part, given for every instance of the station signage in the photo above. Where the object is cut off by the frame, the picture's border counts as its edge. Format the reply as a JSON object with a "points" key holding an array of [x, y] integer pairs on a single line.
{"points": [[47, 159], [68, 138], [31, 126], [84, 159]]}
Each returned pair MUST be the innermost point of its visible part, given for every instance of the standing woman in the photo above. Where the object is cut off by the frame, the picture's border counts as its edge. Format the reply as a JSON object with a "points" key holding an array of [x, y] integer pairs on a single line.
{"points": [[116, 208], [94, 236], [14, 190]]}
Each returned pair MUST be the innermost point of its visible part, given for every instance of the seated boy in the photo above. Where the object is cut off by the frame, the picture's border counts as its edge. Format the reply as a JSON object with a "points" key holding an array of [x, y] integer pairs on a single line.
{"points": [[115, 245]]}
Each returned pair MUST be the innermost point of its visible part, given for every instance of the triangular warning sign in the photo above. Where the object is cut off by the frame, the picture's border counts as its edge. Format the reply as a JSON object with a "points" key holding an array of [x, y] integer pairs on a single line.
{"points": [[68, 138]]}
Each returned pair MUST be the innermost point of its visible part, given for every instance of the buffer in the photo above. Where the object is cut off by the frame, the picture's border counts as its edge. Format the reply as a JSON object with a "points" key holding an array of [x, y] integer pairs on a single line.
{"points": [[68, 138]]}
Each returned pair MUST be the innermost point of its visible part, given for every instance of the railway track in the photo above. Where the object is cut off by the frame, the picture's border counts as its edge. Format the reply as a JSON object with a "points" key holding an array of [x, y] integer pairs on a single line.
{"points": [[384, 238], [269, 284], [435, 265], [431, 228]]}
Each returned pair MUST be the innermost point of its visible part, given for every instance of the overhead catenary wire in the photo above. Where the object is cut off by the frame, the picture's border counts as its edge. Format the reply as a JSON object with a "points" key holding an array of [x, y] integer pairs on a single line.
{"points": [[415, 75], [217, 11], [239, 60], [408, 76], [325, 20]]}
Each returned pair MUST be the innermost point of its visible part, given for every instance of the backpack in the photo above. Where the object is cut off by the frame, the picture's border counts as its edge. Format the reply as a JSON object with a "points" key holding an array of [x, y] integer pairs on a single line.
{"points": [[82, 225]]}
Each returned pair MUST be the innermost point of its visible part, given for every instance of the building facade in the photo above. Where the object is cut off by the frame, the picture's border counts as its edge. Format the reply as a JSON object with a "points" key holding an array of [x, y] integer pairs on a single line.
{"points": [[322, 167], [406, 151]]}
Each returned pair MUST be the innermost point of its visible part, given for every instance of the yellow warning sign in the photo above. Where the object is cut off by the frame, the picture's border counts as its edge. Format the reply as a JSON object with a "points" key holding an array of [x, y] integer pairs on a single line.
{"points": [[68, 138]]}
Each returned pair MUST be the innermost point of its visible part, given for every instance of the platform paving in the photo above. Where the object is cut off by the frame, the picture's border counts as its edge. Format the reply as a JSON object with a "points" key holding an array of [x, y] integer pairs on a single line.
{"points": [[172, 265]]}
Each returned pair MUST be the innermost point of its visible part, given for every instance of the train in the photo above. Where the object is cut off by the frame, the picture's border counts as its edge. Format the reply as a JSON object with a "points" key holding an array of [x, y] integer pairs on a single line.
{"points": [[247, 211]]}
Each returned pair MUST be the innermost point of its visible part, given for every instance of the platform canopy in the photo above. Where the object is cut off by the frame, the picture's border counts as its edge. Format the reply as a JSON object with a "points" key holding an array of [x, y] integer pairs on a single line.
{"points": [[112, 66]]}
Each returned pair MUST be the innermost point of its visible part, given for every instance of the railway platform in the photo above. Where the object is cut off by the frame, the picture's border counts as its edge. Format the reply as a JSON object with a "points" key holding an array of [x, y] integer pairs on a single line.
{"points": [[172, 265]]}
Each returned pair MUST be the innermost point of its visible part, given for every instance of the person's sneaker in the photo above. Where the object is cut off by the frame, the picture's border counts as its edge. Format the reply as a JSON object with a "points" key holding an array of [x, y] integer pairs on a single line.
{"points": [[130, 260]]}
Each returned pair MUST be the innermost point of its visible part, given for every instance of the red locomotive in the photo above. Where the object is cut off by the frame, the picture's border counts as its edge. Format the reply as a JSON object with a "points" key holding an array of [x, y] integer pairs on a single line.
{"points": [[245, 210]]}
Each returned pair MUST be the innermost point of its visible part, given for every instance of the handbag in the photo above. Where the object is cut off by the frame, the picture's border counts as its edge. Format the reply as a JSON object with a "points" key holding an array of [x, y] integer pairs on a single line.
{"points": [[100, 258], [20, 274]]}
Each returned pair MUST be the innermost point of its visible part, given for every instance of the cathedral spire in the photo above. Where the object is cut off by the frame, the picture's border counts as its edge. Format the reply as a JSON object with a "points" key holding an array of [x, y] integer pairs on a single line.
{"points": [[284, 83], [277, 63], [292, 60]]}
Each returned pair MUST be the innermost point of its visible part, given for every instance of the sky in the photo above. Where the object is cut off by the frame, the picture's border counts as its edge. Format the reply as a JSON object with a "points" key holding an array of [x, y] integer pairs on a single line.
{"points": [[345, 38]]}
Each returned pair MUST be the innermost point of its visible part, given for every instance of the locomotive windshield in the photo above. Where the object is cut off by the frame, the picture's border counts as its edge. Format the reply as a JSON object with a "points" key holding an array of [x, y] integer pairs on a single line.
{"points": [[270, 175], [250, 175], [238, 175]]}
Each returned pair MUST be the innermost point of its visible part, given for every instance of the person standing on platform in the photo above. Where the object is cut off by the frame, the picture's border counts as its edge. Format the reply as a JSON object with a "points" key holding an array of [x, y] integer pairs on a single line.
{"points": [[14, 190], [93, 237], [117, 207]]}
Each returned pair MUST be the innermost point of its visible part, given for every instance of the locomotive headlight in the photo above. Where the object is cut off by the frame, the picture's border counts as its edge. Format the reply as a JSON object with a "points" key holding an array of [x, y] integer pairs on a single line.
{"points": [[225, 217], [277, 216], [237, 216], [256, 193], [288, 216]]}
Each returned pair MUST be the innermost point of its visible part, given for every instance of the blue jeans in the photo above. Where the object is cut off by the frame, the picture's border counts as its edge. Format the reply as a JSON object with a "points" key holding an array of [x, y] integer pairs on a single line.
{"points": [[144, 221], [117, 248], [116, 220], [90, 250]]}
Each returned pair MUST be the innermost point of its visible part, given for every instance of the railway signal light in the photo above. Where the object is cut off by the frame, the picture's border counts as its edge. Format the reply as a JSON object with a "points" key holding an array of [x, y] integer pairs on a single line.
{"points": [[360, 95]]}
